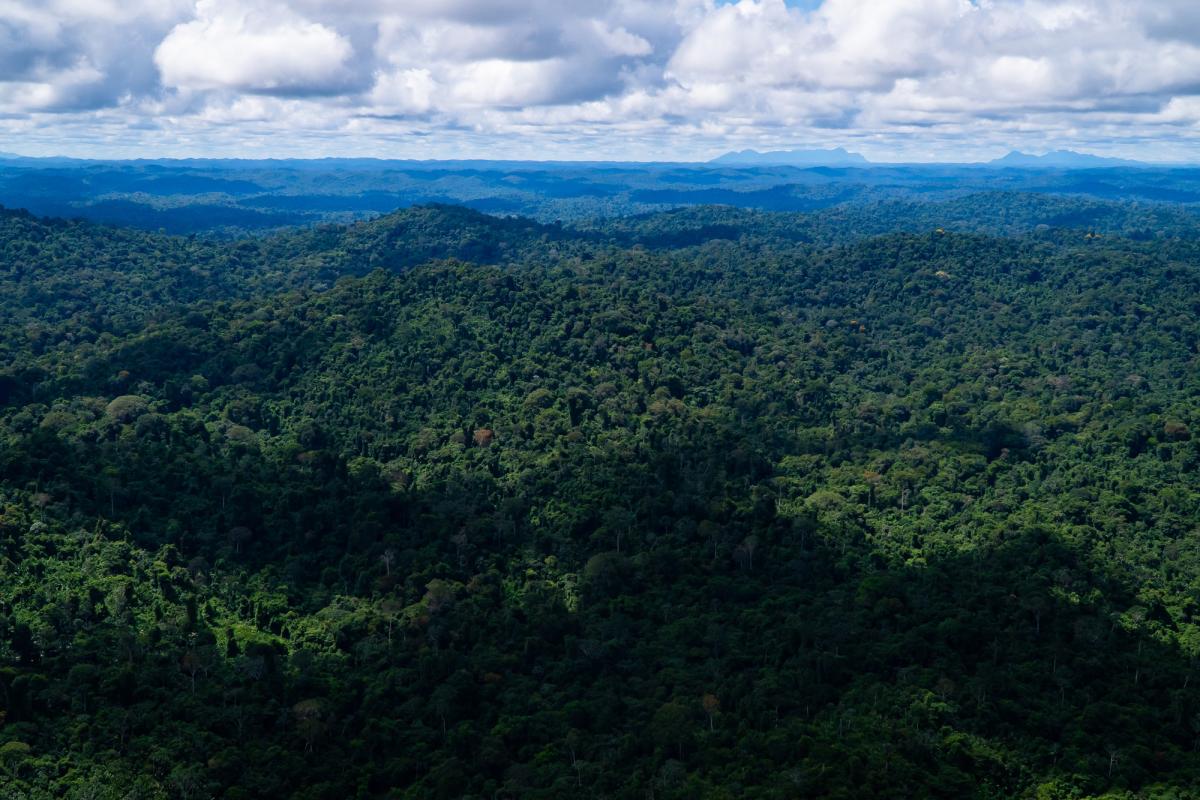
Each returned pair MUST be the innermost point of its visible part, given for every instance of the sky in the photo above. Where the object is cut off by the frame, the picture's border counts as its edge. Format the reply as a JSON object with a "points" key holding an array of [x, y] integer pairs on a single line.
{"points": [[678, 80]]}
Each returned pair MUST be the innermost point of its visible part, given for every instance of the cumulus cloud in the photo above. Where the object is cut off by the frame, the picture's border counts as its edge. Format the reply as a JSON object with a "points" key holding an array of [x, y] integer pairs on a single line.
{"points": [[632, 78], [406, 91], [900, 65], [534, 54], [268, 50], [71, 55]]}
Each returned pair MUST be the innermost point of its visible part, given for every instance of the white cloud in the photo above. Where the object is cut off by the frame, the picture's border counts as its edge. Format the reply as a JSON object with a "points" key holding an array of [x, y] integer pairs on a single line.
{"points": [[501, 82], [409, 91], [673, 78], [76, 55], [67, 87], [252, 50], [621, 42]]}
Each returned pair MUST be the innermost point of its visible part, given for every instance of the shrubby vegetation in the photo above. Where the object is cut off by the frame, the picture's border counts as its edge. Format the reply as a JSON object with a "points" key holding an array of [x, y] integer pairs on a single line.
{"points": [[703, 504]]}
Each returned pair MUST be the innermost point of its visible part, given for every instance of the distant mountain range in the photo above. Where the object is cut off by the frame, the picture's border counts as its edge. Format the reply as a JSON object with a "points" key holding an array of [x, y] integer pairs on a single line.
{"points": [[833, 157], [1060, 159], [837, 157], [840, 157]]}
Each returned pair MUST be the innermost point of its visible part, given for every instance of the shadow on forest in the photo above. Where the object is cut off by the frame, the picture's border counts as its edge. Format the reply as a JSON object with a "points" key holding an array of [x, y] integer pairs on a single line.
{"points": [[1021, 661], [835, 670], [1011, 666]]}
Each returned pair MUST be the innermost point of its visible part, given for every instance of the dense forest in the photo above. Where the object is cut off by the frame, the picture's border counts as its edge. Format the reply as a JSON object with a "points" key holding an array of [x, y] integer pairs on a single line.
{"points": [[888, 500]]}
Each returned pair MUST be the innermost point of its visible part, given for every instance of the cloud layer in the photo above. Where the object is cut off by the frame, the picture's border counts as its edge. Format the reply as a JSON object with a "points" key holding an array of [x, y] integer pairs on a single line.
{"points": [[905, 79]]}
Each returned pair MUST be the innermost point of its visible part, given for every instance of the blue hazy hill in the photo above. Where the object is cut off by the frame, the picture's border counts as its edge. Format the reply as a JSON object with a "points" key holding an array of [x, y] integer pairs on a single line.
{"points": [[227, 196], [1061, 159], [836, 157]]}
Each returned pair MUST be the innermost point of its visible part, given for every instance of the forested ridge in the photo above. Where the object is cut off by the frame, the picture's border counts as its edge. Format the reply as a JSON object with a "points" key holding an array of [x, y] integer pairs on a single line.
{"points": [[710, 503]]}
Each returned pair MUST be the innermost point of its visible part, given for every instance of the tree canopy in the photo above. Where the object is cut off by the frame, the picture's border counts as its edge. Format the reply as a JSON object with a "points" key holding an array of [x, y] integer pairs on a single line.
{"points": [[709, 503]]}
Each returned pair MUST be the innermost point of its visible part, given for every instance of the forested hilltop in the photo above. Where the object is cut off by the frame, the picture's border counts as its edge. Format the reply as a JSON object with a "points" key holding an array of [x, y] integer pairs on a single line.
{"points": [[898, 500]]}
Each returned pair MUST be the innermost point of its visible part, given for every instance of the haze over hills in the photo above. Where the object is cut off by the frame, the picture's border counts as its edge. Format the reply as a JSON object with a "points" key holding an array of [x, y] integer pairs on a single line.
{"points": [[801, 158], [232, 197]]}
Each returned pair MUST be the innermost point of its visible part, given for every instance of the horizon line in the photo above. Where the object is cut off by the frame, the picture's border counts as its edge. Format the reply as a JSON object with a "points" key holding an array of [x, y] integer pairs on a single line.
{"points": [[714, 162]]}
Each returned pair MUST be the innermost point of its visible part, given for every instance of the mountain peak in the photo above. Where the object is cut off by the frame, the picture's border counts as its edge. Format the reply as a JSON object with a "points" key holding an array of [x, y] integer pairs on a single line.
{"points": [[834, 157], [1059, 158]]}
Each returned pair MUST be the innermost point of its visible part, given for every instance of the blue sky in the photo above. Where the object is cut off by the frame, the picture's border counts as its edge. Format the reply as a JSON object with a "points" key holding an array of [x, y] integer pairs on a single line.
{"points": [[913, 80]]}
